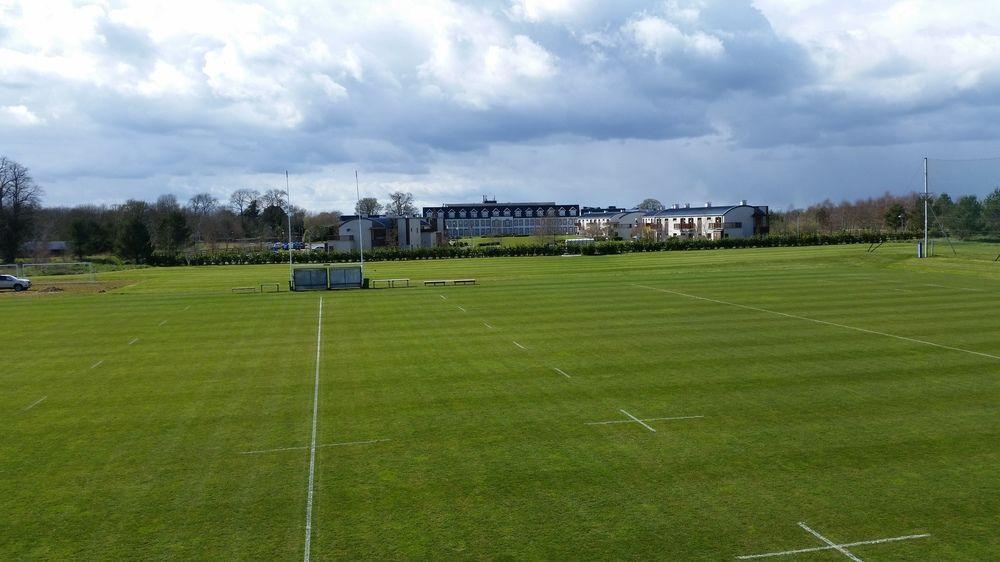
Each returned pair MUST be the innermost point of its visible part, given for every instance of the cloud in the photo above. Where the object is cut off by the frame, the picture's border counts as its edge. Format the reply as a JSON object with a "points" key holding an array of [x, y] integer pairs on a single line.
{"points": [[449, 98]]}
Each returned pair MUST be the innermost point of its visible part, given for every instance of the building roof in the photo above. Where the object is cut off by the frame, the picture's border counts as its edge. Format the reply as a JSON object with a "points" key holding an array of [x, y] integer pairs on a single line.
{"points": [[714, 211], [494, 204]]}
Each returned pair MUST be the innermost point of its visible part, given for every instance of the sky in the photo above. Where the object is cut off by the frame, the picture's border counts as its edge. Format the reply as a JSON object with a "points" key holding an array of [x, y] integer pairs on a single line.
{"points": [[780, 102]]}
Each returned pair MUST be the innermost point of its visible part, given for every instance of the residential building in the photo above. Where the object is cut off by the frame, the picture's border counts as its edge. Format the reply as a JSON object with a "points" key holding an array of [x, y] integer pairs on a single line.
{"points": [[382, 231], [709, 221], [612, 224], [505, 219]]}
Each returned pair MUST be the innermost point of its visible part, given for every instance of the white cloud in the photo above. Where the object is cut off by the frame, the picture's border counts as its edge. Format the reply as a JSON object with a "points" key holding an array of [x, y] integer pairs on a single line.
{"points": [[19, 115], [543, 10], [660, 38]]}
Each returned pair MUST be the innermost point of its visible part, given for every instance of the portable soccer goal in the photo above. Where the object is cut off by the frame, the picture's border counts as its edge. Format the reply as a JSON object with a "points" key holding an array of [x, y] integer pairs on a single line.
{"points": [[61, 272]]}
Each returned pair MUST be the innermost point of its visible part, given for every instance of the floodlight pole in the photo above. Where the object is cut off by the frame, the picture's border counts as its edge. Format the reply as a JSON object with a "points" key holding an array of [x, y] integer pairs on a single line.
{"points": [[926, 197], [288, 198]]}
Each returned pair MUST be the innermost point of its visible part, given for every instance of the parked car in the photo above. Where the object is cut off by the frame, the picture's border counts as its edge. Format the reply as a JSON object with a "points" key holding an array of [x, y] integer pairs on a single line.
{"points": [[16, 283]]}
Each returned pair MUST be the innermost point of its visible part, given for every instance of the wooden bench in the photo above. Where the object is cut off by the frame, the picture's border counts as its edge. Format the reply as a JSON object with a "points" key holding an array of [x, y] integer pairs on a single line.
{"points": [[392, 282]]}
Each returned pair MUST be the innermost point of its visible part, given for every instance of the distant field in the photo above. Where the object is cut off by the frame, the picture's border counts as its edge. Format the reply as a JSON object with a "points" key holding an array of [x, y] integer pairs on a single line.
{"points": [[857, 394]]}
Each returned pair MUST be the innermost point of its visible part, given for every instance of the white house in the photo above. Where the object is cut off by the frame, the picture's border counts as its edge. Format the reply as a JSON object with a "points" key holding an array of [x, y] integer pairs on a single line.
{"points": [[709, 221], [611, 224]]}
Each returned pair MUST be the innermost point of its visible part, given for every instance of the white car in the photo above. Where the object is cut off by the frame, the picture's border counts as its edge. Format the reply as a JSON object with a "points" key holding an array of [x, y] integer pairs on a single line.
{"points": [[16, 283]]}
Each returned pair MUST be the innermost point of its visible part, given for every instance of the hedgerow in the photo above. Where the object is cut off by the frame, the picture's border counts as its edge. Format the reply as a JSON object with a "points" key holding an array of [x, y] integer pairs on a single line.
{"points": [[248, 257]]}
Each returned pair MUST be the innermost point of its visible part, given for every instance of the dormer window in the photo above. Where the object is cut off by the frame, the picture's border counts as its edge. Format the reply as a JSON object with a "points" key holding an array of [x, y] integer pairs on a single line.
{"points": [[462, 213], [506, 212], [517, 213]]}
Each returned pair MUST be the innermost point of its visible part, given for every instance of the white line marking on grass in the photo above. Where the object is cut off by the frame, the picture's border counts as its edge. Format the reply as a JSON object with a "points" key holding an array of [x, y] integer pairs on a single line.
{"points": [[635, 419], [487, 324], [444, 298], [519, 345], [260, 451], [646, 419], [370, 441], [845, 326], [35, 403], [133, 341], [187, 308], [163, 322], [899, 290], [830, 547], [950, 288], [462, 309], [312, 448], [561, 372], [98, 364], [840, 548]]}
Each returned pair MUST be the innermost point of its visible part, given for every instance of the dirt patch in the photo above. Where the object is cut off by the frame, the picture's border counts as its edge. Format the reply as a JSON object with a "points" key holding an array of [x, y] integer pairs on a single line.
{"points": [[54, 287]]}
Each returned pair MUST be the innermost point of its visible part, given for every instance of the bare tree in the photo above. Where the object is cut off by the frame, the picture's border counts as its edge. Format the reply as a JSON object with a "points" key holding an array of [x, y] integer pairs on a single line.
{"points": [[400, 204], [242, 198], [273, 198], [20, 198], [202, 206], [368, 206]]}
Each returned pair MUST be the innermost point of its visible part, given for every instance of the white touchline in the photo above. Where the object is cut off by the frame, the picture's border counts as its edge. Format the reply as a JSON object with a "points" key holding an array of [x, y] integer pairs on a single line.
{"points": [[561, 372], [98, 364], [312, 447], [162, 323], [645, 419], [519, 345], [444, 298], [840, 548], [259, 451], [35, 403], [845, 326], [462, 309], [133, 341], [187, 308], [642, 423], [487, 324]]}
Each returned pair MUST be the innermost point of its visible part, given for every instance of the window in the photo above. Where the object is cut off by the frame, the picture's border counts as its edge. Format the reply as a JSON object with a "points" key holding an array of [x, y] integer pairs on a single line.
{"points": [[528, 213], [517, 212], [462, 213], [451, 214], [496, 212], [572, 212], [506, 212], [562, 212]]}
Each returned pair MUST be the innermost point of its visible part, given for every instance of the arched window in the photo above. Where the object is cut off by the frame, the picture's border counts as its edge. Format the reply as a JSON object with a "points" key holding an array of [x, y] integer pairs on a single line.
{"points": [[572, 212], [562, 212], [496, 212], [462, 213], [506, 212], [517, 212], [451, 214]]}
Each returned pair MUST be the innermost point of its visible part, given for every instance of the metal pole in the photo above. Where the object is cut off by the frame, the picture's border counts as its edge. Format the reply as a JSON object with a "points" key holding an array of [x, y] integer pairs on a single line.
{"points": [[361, 243], [288, 203], [926, 197]]}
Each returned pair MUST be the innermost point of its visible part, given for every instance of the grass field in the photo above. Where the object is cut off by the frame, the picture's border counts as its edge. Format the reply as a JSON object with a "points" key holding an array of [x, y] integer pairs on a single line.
{"points": [[855, 393]]}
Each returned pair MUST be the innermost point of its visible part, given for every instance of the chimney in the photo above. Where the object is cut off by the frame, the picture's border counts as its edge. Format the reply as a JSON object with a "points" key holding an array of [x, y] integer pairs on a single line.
{"points": [[708, 204], [743, 201], [687, 205]]}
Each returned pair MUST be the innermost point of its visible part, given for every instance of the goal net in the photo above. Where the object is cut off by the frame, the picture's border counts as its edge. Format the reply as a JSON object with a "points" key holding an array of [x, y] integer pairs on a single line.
{"points": [[59, 272]]}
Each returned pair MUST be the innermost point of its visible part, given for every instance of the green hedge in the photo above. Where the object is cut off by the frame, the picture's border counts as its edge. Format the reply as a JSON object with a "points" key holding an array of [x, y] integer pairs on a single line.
{"points": [[241, 257]]}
